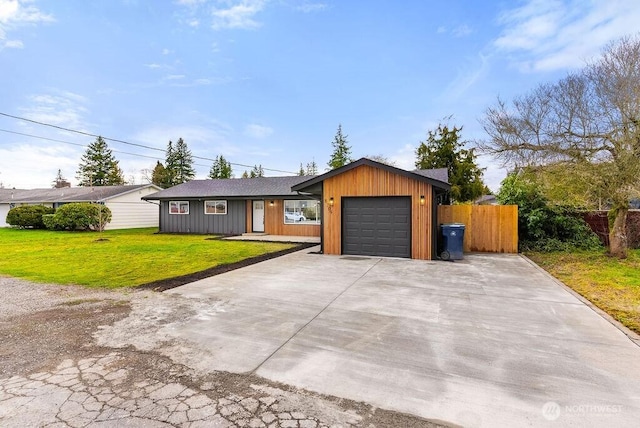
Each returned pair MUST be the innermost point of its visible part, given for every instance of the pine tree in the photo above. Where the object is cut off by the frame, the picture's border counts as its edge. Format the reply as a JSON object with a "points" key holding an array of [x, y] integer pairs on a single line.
{"points": [[220, 168], [59, 182], [312, 168], [179, 163], [159, 176], [302, 171], [341, 150], [98, 167], [257, 171], [245, 174]]}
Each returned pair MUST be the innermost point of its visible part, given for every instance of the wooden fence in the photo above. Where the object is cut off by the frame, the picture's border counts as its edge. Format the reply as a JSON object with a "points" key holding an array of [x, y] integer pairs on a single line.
{"points": [[488, 228]]}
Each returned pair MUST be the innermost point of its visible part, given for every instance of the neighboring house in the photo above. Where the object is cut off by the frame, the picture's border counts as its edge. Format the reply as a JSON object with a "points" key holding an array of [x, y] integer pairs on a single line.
{"points": [[364, 208], [128, 210], [486, 200]]}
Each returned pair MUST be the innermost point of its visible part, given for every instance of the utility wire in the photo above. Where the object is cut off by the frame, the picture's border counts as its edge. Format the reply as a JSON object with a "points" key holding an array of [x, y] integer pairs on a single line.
{"points": [[115, 140]]}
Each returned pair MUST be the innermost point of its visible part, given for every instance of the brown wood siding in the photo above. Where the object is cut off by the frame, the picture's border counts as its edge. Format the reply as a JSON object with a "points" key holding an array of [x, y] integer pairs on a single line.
{"points": [[274, 222], [369, 181], [488, 228], [249, 207]]}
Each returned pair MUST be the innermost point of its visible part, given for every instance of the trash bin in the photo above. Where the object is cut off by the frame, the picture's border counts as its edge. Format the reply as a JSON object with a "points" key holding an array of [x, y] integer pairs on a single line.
{"points": [[452, 241]]}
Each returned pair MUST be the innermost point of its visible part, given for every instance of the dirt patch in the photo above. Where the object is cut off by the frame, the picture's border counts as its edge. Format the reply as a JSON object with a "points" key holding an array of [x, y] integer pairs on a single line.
{"points": [[40, 340], [167, 284]]}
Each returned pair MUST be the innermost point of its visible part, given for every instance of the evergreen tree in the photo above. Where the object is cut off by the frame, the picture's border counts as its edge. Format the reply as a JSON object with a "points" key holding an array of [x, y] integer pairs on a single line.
{"points": [[220, 168], [98, 167], [257, 171], [341, 150], [302, 172], [312, 168], [160, 176], [179, 163], [245, 174], [59, 182], [444, 149]]}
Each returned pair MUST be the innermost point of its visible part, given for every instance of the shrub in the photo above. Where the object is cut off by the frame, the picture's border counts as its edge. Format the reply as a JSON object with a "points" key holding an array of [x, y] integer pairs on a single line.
{"points": [[541, 226], [28, 216], [79, 216]]}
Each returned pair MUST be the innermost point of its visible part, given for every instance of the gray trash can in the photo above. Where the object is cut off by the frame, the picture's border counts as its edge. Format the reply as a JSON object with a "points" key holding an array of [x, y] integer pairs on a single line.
{"points": [[452, 241]]}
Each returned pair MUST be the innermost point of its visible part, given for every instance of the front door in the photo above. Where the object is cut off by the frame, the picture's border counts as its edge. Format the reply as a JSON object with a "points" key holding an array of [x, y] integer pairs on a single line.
{"points": [[258, 216]]}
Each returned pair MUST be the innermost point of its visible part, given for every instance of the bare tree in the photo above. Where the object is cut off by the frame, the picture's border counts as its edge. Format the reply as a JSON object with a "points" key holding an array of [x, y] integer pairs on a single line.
{"points": [[589, 122]]}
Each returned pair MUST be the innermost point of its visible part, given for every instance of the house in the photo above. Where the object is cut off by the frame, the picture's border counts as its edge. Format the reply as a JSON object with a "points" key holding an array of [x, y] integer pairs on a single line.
{"points": [[127, 208], [486, 200], [239, 205], [363, 208]]}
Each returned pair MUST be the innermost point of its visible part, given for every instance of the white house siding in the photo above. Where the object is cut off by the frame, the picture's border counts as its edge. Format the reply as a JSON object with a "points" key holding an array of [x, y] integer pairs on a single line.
{"points": [[4, 210], [129, 211]]}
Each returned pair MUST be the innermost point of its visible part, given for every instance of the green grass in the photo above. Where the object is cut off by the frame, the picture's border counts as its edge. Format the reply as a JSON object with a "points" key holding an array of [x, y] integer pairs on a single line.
{"points": [[124, 258], [611, 284]]}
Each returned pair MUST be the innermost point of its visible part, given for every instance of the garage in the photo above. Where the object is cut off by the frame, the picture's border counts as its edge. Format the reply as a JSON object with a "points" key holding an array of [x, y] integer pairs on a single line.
{"points": [[375, 209], [377, 226]]}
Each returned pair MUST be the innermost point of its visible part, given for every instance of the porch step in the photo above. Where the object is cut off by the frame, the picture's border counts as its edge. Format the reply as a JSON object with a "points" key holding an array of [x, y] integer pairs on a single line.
{"points": [[254, 234]]}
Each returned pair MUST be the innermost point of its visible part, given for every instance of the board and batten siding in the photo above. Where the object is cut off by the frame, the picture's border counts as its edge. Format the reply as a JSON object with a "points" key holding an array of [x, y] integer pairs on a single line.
{"points": [[274, 221], [231, 223], [128, 211], [366, 181]]}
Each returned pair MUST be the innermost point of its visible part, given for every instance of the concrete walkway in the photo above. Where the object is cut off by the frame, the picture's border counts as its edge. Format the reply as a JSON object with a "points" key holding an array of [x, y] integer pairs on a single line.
{"points": [[488, 341]]}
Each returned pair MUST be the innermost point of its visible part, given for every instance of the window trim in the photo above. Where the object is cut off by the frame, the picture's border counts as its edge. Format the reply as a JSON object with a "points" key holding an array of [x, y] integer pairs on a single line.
{"points": [[179, 204], [317, 221], [215, 202]]}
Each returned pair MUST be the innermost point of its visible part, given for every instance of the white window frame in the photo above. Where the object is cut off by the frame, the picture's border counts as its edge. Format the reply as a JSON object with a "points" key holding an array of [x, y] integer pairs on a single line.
{"points": [[215, 203], [179, 204], [297, 209]]}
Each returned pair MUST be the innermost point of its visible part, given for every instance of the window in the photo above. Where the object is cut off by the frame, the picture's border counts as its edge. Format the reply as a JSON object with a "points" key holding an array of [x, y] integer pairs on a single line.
{"points": [[215, 207], [302, 212], [178, 207]]}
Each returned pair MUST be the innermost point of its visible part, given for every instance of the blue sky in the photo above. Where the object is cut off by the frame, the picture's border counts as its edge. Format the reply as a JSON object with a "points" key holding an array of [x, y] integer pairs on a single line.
{"points": [[268, 81]]}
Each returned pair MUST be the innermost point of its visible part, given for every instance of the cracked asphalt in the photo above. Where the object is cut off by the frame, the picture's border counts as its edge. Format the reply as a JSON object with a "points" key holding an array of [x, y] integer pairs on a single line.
{"points": [[53, 373]]}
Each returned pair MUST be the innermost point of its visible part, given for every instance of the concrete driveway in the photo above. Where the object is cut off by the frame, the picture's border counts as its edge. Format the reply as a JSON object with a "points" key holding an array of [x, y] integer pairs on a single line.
{"points": [[488, 341]]}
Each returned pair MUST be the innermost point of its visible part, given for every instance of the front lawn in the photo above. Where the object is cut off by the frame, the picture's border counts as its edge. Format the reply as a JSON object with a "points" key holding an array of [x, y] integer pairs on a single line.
{"points": [[121, 258], [611, 284]]}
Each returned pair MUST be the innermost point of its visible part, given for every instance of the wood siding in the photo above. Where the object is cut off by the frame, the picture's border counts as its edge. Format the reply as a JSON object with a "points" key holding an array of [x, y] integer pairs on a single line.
{"points": [[232, 223], [368, 181], [274, 221], [488, 228]]}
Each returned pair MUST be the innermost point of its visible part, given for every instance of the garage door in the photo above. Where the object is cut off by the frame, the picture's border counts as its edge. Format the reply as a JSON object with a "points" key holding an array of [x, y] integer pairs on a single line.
{"points": [[377, 226]]}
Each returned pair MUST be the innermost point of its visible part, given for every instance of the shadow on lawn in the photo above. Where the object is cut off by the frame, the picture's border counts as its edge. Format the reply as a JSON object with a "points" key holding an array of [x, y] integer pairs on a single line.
{"points": [[166, 284]]}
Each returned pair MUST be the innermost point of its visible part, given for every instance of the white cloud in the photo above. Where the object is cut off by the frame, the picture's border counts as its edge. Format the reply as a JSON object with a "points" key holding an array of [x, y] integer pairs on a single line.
{"points": [[175, 77], [546, 35], [257, 131], [405, 157], [14, 44], [153, 65], [309, 7], [441, 30], [473, 70], [237, 15], [61, 108], [165, 51], [17, 13], [28, 166], [462, 30]]}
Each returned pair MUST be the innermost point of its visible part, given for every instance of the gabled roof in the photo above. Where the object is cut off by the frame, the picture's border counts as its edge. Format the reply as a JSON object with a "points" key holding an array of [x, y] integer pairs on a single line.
{"points": [[262, 187], [436, 177], [69, 194]]}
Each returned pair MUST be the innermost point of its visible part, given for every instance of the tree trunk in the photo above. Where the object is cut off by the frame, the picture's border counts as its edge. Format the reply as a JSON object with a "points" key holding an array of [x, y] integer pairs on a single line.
{"points": [[618, 234]]}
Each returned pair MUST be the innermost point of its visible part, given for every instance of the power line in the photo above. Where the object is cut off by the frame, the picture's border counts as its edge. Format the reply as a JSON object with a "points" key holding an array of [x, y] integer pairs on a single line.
{"points": [[115, 140]]}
